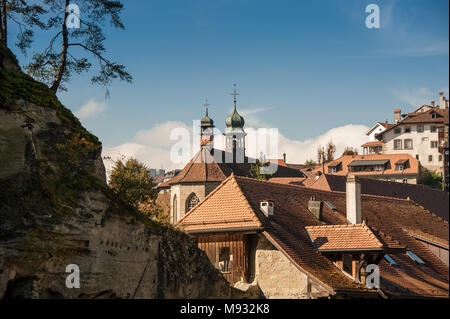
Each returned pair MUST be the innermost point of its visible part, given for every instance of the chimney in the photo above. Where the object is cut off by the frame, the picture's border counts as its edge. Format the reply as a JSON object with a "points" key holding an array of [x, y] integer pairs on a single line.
{"points": [[315, 207], [353, 195], [284, 158], [441, 100], [266, 207], [397, 116], [432, 103]]}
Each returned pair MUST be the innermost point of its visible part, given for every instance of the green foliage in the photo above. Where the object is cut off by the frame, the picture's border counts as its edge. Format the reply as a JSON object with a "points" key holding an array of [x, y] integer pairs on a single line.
{"points": [[15, 86], [89, 40], [255, 170], [153, 210], [132, 182], [310, 163], [432, 179]]}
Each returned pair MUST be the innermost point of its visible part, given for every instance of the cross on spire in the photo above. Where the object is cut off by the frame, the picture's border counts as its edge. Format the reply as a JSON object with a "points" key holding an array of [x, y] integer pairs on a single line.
{"points": [[206, 104], [234, 96]]}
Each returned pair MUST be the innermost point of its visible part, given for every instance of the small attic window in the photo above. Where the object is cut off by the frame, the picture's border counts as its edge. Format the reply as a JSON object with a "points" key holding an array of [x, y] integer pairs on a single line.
{"points": [[389, 259], [414, 257]]}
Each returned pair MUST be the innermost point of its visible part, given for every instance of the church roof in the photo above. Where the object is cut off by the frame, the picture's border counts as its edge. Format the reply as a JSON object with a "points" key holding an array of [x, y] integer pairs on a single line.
{"points": [[205, 167], [201, 168]]}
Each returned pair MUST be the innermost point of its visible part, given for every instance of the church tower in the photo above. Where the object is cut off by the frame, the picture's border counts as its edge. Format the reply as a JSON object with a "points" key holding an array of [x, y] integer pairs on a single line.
{"points": [[235, 134], [207, 130]]}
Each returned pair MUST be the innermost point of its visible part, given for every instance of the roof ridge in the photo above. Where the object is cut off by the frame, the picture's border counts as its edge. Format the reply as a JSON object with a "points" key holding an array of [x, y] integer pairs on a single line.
{"points": [[188, 166], [319, 190], [430, 212]]}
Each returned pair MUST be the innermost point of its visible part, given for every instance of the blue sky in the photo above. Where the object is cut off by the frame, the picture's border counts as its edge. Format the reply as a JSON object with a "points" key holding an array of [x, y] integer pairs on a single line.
{"points": [[304, 67]]}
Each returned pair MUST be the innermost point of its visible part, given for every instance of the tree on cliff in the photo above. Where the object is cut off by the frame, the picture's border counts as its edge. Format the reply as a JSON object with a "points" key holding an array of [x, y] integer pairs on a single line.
{"points": [[54, 65], [132, 182]]}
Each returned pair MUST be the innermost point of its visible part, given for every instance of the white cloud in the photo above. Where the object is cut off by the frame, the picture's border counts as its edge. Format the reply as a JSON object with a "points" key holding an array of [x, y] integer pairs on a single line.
{"points": [[250, 117], [153, 146], [299, 152], [90, 108]]}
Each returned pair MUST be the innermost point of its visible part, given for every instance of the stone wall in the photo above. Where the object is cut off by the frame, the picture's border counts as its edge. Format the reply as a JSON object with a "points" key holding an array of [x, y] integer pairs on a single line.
{"points": [[277, 276]]}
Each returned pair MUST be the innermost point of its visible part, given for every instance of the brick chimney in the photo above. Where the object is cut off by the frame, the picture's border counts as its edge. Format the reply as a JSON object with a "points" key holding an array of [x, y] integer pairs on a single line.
{"points": [[266, 206], [397, 116], [353, 203]]}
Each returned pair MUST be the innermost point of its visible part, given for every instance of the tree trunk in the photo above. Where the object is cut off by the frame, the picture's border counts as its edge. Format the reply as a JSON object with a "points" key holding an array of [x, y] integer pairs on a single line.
{"points": [[65, 46], [3, 26]]}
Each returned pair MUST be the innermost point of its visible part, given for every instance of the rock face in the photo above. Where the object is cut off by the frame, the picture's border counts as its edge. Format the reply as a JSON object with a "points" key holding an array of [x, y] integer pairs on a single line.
{"points": [[56, 210]]}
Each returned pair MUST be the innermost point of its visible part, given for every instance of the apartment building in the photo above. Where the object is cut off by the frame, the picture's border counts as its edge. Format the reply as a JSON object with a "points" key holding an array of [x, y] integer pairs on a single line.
{"points": [[422, 134]]}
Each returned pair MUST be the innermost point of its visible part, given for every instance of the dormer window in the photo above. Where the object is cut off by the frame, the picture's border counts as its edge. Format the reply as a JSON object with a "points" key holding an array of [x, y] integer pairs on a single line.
{"points": [[433, 115]]}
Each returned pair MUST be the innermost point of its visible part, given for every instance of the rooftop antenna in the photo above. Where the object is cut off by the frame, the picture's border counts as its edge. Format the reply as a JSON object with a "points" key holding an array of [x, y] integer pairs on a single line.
{"points": [[234, 96]]}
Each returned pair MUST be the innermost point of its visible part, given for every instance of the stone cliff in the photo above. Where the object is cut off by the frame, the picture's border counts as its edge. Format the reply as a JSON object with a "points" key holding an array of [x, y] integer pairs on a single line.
{"points": [[56, 210]]}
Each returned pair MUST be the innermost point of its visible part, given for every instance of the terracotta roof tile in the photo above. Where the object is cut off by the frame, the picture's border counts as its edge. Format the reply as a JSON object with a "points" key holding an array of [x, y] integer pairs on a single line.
{"points": [[207, 167], [344, 237], [237, 200], [434, 200], [411, 169], [374, 143]]}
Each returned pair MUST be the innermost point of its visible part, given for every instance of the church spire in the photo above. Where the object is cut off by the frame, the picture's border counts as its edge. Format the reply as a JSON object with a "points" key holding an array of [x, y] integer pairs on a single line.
{"points": [[234, 96], [206, 104]]}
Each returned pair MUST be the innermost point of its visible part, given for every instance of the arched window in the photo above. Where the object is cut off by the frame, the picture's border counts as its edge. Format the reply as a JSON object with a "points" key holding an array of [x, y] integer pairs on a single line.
{"points": [[174, 209], [191, 201]]}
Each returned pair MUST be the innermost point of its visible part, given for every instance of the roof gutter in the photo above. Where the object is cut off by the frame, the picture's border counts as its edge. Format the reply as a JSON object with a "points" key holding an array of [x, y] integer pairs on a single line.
{"points": [[225, 230]]}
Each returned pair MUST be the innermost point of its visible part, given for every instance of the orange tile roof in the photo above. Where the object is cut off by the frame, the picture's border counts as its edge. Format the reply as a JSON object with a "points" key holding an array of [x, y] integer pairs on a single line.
{"points": [[279, 162], [202, 167], [422, 117], [374, 143], [344, 237], [434, 200], [234, 206], [228, 210], [288, 180], [345, 160]]}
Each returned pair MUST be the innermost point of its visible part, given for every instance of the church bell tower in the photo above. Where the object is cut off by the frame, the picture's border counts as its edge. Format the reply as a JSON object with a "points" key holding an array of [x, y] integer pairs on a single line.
{"points": [[207, 130], [235, 134]]}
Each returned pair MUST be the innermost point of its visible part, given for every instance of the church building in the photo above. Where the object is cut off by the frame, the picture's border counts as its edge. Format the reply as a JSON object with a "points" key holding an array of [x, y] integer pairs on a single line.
{"points": [[210, 166]]}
